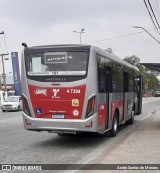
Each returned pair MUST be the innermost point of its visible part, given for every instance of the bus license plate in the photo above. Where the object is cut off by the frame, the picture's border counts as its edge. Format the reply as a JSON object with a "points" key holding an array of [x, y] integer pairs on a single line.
{"points": [[58, 116]]}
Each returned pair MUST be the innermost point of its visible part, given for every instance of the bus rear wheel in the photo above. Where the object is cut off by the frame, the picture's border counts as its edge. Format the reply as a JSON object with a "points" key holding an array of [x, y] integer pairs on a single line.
{"points": [[114, 129]]}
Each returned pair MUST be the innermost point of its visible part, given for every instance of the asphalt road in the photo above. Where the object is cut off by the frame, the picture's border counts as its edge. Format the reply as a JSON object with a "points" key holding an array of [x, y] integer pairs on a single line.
{"points": [[19, 146]]}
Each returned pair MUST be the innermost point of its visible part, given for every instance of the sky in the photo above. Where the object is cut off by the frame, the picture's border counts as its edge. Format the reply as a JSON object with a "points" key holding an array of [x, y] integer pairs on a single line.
{"points": [[49, 22]]}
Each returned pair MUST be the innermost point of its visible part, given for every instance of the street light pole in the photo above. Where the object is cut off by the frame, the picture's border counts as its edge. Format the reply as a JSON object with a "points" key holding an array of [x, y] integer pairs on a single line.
{"points": [[3, 74], [80, 32], [147, 32]]}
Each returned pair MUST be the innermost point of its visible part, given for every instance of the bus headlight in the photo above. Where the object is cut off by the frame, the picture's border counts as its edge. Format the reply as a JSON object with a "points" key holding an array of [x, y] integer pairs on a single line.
{"points": [[90, 106]]}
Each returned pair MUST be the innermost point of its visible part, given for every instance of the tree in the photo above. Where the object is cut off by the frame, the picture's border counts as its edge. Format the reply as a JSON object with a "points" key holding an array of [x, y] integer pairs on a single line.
{"points": [[134, 60], [151, 82], [109, 50]]}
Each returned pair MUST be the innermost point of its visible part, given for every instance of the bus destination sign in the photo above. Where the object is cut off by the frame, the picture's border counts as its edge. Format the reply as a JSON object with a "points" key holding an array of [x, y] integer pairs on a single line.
{"points": [[55, 58]]}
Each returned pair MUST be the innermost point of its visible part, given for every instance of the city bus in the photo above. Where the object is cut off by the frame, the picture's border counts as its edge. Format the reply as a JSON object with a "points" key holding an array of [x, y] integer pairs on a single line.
{"points": [[78, 88]]}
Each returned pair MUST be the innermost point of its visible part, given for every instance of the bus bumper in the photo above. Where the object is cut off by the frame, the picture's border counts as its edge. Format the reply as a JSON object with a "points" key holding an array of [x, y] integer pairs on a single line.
{"points": [[60, 125]]}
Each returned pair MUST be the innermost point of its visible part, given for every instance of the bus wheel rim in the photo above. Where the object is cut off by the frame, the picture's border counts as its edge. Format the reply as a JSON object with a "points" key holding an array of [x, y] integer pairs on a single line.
{"points": [[115, 125]]}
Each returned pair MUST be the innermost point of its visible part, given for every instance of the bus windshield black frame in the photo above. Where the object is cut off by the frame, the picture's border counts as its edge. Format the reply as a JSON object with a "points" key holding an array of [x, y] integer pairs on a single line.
{"points": [[58, 62]]}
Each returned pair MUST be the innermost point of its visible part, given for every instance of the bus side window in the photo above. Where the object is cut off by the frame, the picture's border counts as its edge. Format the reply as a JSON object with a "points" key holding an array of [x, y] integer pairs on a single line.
{"points": [[109, 82], [101, 80], [104, 74], [125, 81]]}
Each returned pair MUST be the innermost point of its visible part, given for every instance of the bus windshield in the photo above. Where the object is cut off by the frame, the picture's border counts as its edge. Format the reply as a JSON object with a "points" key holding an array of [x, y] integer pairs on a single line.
{"points": [[57, 64]]}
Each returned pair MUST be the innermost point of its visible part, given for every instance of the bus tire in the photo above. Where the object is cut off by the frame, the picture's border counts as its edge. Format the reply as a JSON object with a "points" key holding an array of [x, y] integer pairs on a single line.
{"points": [[131, 120], [114, 129]]}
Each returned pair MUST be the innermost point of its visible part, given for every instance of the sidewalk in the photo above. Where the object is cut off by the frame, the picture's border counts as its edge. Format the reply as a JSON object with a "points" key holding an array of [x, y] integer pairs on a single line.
{"points": [[141, 147]]}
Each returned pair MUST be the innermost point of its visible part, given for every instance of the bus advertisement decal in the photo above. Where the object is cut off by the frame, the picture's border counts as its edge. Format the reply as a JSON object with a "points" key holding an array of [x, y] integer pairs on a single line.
{"points": [[41, 91], [55, 93]]}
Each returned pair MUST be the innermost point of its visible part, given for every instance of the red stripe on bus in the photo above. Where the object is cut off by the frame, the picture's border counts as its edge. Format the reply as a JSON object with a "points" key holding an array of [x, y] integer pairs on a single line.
{"points": [[114, 105], [101, 114]]}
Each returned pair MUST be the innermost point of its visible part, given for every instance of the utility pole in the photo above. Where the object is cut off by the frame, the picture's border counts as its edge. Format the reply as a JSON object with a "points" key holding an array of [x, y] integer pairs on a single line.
{"points": [[80, 32], [0, 83], [4, 75]]}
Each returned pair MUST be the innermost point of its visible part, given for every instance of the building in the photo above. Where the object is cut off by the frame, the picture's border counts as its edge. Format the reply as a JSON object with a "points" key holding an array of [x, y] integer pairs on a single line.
{"points": [[10, 90]]}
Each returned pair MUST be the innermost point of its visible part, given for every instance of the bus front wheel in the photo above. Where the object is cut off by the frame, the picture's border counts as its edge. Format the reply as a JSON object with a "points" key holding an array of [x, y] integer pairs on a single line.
{"points": [[114, 129]]}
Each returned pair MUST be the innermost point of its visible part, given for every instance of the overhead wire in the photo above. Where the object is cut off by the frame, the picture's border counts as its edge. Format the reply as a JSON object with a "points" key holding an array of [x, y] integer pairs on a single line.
{"points": [[125, 35], [151, 17], [158, 8], [153, 13], [155, 28]]}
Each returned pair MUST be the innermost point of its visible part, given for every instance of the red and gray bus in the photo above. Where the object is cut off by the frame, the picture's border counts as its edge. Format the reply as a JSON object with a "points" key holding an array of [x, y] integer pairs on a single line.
{"points": [[78, 88]]}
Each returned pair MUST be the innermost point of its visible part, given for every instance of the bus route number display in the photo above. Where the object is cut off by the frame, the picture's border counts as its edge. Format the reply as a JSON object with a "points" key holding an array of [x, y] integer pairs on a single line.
{"points": [[74, 91]]}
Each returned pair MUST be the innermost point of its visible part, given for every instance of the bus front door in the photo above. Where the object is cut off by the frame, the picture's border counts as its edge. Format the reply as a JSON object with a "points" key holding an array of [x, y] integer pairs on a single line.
{"points": [[108, 76], [139, 88]]}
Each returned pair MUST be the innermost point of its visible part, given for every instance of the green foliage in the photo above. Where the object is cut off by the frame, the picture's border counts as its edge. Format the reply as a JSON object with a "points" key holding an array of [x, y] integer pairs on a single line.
{"points": [[134, 60], [151, 82], [109, 50]]}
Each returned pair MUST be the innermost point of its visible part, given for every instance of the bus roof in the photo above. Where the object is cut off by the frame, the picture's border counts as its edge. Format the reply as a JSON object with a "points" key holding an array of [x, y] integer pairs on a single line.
{"points": [[84, 46], [115, 58], [59, 46]]}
